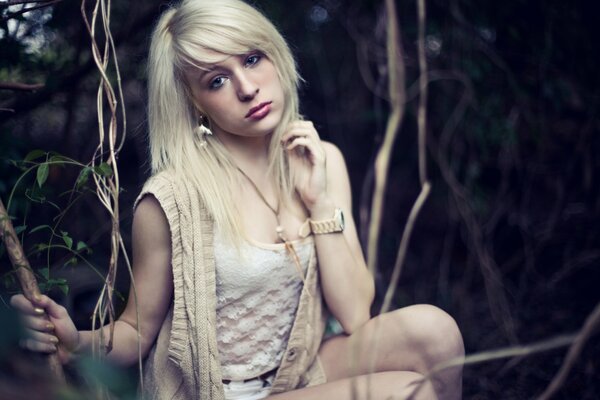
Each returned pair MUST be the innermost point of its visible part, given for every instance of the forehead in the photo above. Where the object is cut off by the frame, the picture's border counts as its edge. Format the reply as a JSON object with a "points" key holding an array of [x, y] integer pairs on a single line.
{"points": [[205, 60]]}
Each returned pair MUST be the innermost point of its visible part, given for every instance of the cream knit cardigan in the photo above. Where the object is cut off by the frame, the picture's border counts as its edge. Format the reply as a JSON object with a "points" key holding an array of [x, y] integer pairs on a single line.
{"points": [[184, 361]]}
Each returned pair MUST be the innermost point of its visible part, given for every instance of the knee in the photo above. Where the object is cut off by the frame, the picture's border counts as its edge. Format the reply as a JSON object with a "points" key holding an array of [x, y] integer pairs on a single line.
{"points": [[433, 332]]}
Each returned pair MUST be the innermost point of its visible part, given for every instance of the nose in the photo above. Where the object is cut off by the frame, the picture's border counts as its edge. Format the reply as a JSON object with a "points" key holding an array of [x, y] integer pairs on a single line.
{"points": [[247, 89]]}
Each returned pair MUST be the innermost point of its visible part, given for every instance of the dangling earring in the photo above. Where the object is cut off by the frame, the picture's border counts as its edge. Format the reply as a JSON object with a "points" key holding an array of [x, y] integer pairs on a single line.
{"points": [[203, 131]]}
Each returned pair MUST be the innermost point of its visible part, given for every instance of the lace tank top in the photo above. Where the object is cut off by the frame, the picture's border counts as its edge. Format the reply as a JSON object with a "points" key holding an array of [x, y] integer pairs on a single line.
{"points": [[258, 290]]}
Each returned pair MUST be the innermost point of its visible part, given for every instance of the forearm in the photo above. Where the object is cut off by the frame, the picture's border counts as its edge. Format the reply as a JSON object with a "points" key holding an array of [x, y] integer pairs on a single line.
{"points": [[347, 285], [124, 345]]}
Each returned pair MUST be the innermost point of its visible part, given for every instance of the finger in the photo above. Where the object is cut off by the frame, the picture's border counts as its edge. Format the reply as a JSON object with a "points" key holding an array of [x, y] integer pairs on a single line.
{"points": [[53, 309], [291, 135], [300, 128], [34, 345], [42, 337], [301, 124], [309, 145], [23, 305], [37, 323]]}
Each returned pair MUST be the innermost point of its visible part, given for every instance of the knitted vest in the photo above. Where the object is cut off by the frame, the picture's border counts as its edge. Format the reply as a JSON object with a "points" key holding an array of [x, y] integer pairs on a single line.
{"points": [[184, 362]]}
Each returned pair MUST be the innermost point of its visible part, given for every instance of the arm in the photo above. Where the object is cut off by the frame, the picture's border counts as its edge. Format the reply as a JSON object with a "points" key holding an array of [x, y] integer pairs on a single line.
{"points": [[323, 185], [154, 285]]}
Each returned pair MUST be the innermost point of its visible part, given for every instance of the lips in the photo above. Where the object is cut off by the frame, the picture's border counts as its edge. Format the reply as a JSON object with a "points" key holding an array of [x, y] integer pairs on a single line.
{"points": [[260, 110]]}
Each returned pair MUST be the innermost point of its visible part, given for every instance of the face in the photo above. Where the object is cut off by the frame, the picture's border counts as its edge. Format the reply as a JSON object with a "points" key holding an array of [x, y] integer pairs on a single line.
{"points": [[242, 95]]}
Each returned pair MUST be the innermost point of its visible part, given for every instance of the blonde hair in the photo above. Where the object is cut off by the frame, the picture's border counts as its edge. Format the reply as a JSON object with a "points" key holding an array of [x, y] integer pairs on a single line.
{"points": [[180, 40]]}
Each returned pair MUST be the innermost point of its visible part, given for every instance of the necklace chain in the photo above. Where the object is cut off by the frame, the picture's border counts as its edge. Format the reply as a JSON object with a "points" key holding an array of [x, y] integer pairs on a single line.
{"points": [[279, 229], [275, 210]]}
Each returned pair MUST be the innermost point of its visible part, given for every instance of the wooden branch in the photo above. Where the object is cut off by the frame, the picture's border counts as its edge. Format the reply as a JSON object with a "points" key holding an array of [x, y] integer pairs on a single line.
{"points": [[25, 276], [17, 86]]}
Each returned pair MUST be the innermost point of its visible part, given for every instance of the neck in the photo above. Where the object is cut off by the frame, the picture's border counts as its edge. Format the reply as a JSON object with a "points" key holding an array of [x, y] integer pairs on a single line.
{"points": [[250, 153]]}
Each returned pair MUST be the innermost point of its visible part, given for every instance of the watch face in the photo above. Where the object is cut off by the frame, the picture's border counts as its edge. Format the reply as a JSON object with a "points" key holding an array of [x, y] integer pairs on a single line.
{"points": [[342, 221]]}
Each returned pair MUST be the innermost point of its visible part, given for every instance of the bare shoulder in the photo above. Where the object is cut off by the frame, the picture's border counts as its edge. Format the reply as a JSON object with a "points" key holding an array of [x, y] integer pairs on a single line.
{"points": [[149, 221], [335, 159]]}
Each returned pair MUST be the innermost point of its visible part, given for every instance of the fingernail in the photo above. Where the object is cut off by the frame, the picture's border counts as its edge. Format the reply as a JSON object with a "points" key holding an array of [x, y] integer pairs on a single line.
{"points": [[37, 297], [38, 310], [54, 339], [49, 326]]}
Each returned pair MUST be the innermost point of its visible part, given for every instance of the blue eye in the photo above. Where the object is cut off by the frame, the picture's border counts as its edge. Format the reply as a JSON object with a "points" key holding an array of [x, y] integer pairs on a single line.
{"points": [[252, 60], [217, 82]]}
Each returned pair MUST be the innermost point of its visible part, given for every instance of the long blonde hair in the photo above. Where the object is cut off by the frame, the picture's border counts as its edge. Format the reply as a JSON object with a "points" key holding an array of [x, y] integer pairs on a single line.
{"points": [[180, 40]]}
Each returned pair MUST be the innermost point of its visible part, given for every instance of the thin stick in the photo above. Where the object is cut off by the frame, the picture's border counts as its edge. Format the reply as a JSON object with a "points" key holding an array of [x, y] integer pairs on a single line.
{"points": [[25, 10], [498, 354], [397, 94], [414, 213], [9, 3], [17, 86], [26, 278], [423, 84], [425, 185], [589, 327]]}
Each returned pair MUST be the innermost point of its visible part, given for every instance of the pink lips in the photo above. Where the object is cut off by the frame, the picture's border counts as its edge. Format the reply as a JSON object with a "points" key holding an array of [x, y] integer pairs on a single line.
{"points": [[260, 111]]}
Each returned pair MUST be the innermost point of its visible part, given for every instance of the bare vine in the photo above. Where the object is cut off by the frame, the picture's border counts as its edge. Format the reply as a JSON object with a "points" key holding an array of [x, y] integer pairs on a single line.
{"points": [[107, 185]]}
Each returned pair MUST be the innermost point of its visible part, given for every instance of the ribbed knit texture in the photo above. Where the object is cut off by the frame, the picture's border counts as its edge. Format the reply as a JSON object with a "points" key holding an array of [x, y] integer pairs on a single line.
{"points": [[184, 362]]}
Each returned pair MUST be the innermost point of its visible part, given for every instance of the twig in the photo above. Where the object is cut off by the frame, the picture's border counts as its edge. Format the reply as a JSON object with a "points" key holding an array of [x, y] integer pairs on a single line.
{"points": [[410, 223], [425, 185], [397, 95], [492, 355], [423, 80], [25, 10], [108, 187], [26, 277], [17, 86], [8, 3], [591, 323]]}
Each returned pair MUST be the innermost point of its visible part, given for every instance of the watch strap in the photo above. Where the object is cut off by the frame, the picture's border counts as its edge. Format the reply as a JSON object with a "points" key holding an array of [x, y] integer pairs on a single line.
{"points": [[332, 225]]}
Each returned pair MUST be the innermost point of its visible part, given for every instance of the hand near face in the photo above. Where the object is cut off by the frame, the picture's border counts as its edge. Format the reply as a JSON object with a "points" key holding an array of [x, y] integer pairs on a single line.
{"points": [[308, 162]]}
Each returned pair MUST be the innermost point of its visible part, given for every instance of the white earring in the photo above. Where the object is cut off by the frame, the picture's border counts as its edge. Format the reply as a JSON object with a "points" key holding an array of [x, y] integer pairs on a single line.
{"points": [[203, 131]]}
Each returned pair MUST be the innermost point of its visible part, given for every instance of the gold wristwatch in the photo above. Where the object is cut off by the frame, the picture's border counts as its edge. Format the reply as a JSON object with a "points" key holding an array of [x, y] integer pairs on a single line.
{"points": [[335, 224]]}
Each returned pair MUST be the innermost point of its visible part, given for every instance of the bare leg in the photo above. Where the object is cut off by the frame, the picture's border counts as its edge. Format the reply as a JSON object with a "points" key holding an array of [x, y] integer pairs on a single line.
{"points": [[381, 386], [413, 339]]}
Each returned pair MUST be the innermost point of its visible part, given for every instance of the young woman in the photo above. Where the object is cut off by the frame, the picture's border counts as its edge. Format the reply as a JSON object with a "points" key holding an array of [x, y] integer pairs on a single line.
{"points": [[243, 239]]}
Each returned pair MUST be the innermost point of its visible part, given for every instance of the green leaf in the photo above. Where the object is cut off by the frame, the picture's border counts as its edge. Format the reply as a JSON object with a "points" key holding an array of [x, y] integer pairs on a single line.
{"points": [[59, 159], [68, 240], [20, 229], [81, 245], [64, 288], [34, 154], [41, 246], [45, 272], [39, 228], [42, 174], [103, 170], [83, 177], [72, 261]]}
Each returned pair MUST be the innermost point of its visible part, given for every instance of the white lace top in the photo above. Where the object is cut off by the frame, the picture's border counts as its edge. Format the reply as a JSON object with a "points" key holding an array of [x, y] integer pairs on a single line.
{"points": [[258, 289]]}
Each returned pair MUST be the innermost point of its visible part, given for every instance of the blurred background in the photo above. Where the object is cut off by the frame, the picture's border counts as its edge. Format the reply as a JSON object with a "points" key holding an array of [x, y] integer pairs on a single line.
{"points": [[508, 241]]}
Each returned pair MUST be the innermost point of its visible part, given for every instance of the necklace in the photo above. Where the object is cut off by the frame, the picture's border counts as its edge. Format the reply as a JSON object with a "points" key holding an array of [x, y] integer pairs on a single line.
{"points": [[275, 210], [279, 228]]}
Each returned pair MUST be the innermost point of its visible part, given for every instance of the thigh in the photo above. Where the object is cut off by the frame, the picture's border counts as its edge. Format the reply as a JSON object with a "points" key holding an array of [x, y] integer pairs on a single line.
{"points": [[394, 341]]}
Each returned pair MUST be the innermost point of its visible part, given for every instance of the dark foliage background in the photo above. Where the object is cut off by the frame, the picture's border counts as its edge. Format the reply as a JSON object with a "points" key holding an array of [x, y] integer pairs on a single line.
{"points": [[507, 242]]}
